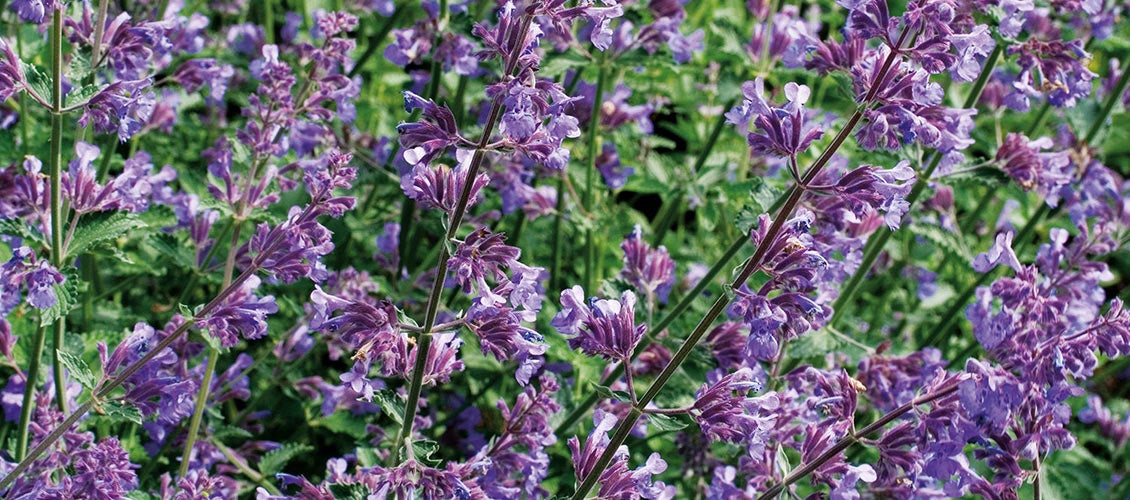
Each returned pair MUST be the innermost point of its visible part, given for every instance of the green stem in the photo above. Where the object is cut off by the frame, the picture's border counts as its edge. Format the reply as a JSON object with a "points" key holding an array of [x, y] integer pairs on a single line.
{"points": [[198, 413], [423, 338], [792, 198], [555, 282], [852, 438], [29, 391], [589, 193], [56, 180], [878, 239], [581, 409], [1111, 101]]}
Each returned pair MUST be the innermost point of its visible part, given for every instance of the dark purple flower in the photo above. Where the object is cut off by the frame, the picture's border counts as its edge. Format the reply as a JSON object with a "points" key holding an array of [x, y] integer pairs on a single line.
{"points": [[1025, 161], [11, 72], [437, 186], [479, 255], [603, 327], [616, 480], [725, 412], [196, 73], [782, 132], [608, 163], [242, 314], [652, 271]]}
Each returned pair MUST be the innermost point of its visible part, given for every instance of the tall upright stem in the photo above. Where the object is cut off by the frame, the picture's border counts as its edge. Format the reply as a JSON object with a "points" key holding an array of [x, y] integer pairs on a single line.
{"points": [[590, 173], [792, 198], [423, 338], [55, 174]]}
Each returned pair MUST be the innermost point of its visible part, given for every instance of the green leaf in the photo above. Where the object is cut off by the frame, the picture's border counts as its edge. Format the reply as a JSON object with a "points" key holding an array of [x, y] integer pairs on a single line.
{"points": [[100, 228], [666, 422], [81, 95], [563, 62], [38, 80], [423, 449], [273, 461], [391, 404], [606, 392], [78, 368], [17, 227], [345, 423], [225, 432], [66, 295], [121, 411], [352, 491]]}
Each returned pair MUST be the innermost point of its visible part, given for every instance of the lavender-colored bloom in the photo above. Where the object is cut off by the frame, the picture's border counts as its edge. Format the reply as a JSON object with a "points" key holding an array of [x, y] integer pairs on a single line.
{"points": [[608, 163], [895, 380], [616, 480], [437, 186], [1118, 431], [242, 314], [123, 107], [603, 327], [409, 45], [782, 132], [480, 255], [1000, 253], [866, 190], [41, 282], [1055, 69], [12, 78], [195, 73], [247, 38], [725, 412], [32, 11], [1046, 172], [424, 140], [650, 270]]}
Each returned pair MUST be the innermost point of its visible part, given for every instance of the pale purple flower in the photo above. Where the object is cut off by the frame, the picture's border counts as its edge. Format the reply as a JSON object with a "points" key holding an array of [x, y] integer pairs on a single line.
{"points": [[242, 314]]}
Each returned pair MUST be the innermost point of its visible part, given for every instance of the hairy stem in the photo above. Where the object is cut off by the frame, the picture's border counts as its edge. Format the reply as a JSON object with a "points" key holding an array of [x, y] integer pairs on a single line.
{"points": [[56, 180], [424, 337], [29, 391], [589, 193], [846, 441]]}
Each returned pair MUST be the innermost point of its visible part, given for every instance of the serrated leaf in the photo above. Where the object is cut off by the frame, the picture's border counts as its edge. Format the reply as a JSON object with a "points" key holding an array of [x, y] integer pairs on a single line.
{"points": [[38, 80], [120, 411], [178, 254], [273, 461], [21, 229], [561, 63], [345, 423], [945, 240], [225, 432], [351, 491], [814, 344], [100, 228], [79, 370], [80, 95], [391, 404], [984, 176], [66, 297], [666, 422], [606, 392], [423, 449]]}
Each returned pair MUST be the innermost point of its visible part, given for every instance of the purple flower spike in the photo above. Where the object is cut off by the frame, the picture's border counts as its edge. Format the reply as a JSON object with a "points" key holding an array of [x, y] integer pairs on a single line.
{"points": [[604, 327], [650, 271], [11, 72], [725, 412], [782, 132], [617, 481], [243, 314], [1026, 162], [437, 186], [1000, 253], [480, 255]]}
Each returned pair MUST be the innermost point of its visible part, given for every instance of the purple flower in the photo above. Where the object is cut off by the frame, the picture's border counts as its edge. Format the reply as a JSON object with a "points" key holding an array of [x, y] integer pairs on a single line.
{"points": [[123, 107], [650, 271], [480, 255], [1046, 172], [608, 163], [32, 11], [782, 132], [1056, 69], [437, 186], [725, 412], [196, 73], [603, 327], [616, 480], [1000, 252], [11, 72], [242, 314]]}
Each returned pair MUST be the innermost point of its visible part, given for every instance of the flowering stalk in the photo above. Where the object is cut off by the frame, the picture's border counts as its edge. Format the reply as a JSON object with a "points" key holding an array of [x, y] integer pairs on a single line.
{"points": [[56, 179], [29, 392], [878, 239], [423, 338], [590, 172], [108, 385], [1022, 237], [792, 198], [852, 438]]}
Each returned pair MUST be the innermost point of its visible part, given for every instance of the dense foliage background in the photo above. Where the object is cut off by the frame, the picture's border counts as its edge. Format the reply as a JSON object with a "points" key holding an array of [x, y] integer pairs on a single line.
{"points": [[537, 249]]}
